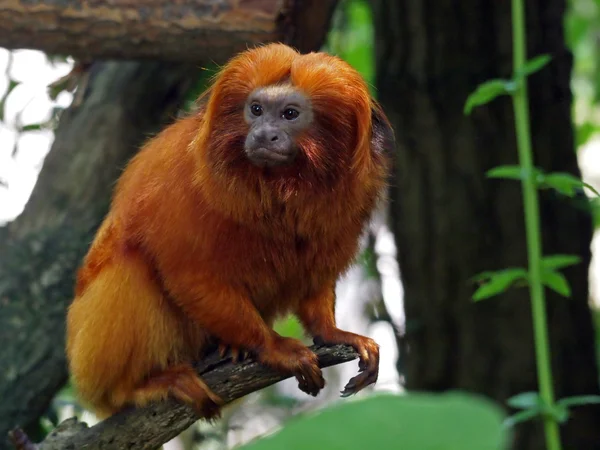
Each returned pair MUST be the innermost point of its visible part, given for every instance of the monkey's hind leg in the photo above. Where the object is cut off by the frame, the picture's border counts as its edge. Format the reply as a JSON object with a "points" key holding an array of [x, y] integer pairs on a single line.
{"points": [[127, 344], [183, 383]]}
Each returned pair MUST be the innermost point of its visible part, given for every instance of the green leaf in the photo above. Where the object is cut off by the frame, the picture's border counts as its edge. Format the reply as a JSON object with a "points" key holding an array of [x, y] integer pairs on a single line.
{"points": [[513, 173], [535, 64], [481, 277], [486, 92], [560, 413], [579, 400], [577, 27], [11, 85], [557, 282], [554, 262], [525, 400], [521, 416], [509, 172], [32, 127], [591, 188], [584, 132], [450, 421], [499, 282], [533, 405], [565, 183]]}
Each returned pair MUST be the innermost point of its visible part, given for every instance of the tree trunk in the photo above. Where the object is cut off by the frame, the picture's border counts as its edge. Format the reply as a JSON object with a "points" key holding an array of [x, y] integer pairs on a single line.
{"points": [[451, 222], [186, 30], [41, 250]]}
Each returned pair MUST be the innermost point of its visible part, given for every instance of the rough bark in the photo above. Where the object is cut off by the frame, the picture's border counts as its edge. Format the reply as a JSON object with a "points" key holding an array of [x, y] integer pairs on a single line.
{"points": [[42, 248], [148, 428], [451, 222], [186, 30]]}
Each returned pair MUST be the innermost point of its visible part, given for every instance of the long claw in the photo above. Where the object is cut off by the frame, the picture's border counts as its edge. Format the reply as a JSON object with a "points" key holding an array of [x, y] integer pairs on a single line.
{"points": [[359, 382], [223, 349], [237, 355]]}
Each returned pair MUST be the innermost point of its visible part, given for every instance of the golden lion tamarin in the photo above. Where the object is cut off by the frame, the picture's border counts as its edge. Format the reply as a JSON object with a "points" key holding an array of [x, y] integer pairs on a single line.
{"points": [[247, 210]]}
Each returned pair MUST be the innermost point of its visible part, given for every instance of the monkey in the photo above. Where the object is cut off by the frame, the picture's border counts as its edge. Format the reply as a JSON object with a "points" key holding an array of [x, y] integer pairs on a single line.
{"points": [[244, 211]]}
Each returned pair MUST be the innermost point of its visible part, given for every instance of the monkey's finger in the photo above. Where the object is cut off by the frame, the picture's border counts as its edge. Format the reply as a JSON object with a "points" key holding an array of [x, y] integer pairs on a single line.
{"points": [[306, 385], [359, 382], [366, 377], [302, 384], [363, 362], [310, 379], [238, 355], [223, 349], [315, 378]]}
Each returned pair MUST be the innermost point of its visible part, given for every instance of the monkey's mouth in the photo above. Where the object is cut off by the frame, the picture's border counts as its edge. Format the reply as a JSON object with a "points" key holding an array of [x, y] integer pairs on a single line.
{"points": [[271, 157]]}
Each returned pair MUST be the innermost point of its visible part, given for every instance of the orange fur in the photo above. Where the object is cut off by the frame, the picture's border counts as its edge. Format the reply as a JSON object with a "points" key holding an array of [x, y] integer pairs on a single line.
{"points": [[200, 246]]}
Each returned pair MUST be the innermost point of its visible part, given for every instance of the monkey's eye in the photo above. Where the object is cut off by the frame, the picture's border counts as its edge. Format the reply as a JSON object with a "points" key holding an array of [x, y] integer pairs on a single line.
{"points": [[256, 109], [290, 114]]}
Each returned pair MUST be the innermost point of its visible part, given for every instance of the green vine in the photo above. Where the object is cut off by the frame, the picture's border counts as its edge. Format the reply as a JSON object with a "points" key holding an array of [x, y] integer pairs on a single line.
{"points": [[542, 271]]}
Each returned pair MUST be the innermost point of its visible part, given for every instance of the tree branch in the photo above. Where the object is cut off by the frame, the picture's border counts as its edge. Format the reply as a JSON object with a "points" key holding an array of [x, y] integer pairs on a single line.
{"points": [[152, 426], [186, 30]]}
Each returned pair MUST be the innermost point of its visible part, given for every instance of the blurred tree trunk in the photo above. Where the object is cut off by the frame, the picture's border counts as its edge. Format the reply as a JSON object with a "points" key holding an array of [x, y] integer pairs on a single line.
{"points": [[43, 247], [452, 223]]}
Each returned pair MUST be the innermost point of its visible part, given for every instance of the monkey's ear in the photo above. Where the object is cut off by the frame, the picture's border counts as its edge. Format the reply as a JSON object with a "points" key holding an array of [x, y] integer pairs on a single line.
{"points": [[383, 140]]}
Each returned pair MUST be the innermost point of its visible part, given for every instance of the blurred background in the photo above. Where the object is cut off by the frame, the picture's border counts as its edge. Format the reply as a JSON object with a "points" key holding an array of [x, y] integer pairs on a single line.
{"points": [[442, 223]]}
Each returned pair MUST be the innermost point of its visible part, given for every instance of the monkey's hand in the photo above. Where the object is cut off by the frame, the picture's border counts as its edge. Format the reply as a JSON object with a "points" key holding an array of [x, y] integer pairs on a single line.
{"points": [[368, 350], [317, 316], [289, 355]]}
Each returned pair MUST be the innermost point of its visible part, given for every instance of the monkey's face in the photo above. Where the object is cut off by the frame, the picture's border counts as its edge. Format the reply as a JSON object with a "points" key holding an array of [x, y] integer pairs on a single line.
{"points": [[289, 123], [276, 115]]}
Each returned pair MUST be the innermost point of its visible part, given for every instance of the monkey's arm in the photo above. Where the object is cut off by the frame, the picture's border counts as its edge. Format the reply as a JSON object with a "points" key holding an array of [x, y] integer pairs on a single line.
{"points": [[317, 314], [231, 317]]}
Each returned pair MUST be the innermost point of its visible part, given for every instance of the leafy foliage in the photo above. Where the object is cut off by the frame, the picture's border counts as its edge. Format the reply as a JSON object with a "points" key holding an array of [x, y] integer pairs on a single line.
{"points": [[486, 92], [489, 90], [451, 421], [536, 64], [532, 406], [494, 283], [352, 37], [562, 182], [582, 27]]}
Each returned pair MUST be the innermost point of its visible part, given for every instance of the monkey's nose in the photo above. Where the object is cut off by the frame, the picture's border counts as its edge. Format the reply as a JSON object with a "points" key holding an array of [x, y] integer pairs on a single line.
{"points": [[266, 136]]}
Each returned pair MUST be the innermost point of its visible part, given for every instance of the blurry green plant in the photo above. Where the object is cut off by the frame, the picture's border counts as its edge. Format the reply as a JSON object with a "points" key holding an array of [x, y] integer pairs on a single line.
{"points": [[582, 30], [542, 271], [352, 37], [450, 421]]}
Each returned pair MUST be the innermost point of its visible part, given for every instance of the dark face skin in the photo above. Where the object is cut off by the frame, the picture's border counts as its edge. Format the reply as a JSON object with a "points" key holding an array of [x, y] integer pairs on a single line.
{"points": [[276, 115]]}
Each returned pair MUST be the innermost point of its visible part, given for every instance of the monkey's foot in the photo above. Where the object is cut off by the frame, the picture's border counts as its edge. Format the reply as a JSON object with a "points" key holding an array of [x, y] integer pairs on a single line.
{"points": [[368, 366], [184, 384], [237, 355], [289, 355]]}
